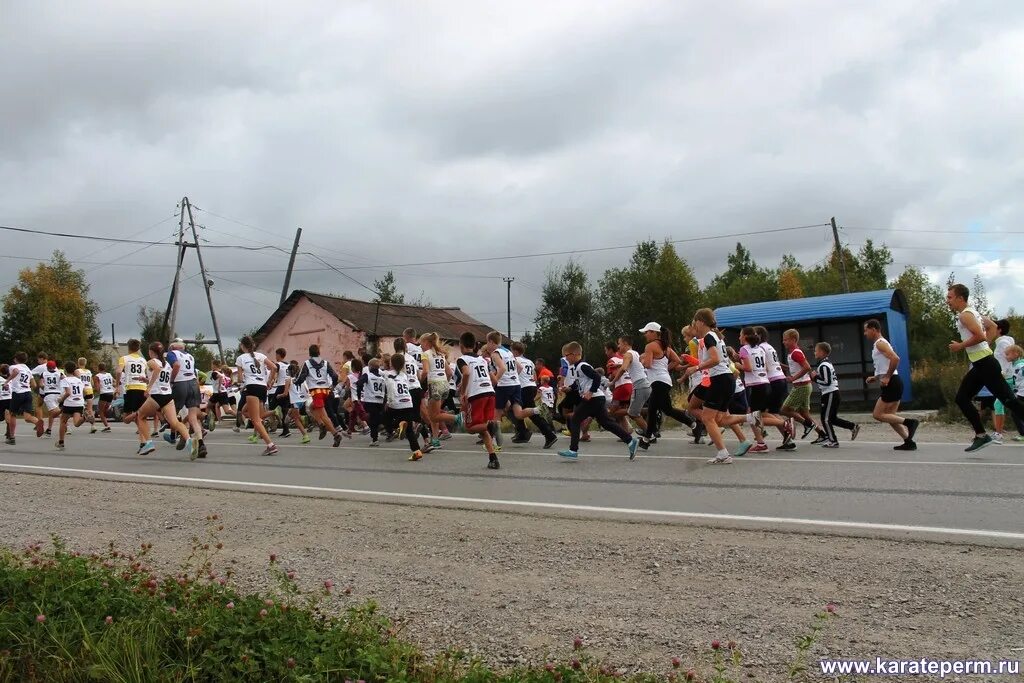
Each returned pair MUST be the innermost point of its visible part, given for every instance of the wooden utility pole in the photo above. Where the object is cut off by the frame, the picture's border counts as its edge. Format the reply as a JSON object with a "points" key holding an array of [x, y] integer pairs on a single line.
{"points": [[508, 304], [842, 257], [291, 265]]}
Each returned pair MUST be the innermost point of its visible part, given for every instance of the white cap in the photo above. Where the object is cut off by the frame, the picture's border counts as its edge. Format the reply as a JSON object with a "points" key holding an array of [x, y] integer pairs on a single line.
{"points": [[178, 342], [651, 327]]}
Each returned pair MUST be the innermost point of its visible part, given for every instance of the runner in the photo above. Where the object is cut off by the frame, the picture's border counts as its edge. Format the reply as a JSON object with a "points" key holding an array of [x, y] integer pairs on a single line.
{"points": [[37, 374], [886, 362], [660, 359], [297, 398], [592, 404], [476, 395], [357, 414], [999, 336], [85, 374], [251, 365], [131, 371], [634, 368], [713, 360], [160, 401], [5, 399], [278, 400], [320, 377], [72, 401], [185, 390], [828, 382], [622, 386], [435, 374], [399, 401], [21, 382], [508, 395], [528, 396], [413, 349], [984, 371], [104, 385], [51, 393], [778, 388], [370, 390], [797, 405], [753, 360]]}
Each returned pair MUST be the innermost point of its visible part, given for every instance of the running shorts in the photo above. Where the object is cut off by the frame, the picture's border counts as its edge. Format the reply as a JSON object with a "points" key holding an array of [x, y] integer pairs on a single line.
{"points": [[21, 403], [894, 392], [799, 398], [5, 405], [133, 400], [777, 395], [257, 391], [738, 404], [481, 410], [72, 410], [162, 399], [437, 390], [504, 396], [758, 396], [719, 394], [641, 394], [416, 392], [51, 401], [106, 398], [186, 394], [529, 396], [318, 398], [622, 394]]}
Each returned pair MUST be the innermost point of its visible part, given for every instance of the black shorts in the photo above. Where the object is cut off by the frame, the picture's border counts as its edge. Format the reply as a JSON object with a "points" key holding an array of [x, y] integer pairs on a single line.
{"points": [[72, 410], [162, 399], [231, 400], [133, 400], [720, 392], [758, 396], [893, 392], [529, 397], [280, 400], [21, 403], [504, 396], [777, 393], [106, 398], [5, 405], [416, 391], [221, 399], [738, 404], [255, 390]]}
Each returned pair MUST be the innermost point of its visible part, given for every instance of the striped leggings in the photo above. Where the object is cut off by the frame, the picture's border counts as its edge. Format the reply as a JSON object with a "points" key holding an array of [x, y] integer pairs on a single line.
{"points": [[830, 416]]}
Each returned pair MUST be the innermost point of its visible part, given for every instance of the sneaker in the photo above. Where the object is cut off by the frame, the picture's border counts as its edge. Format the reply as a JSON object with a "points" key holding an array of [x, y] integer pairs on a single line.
{"points": [[202, 450], [105, 430], [584, 437], [93, 430], [759, 448], [163, 427], [569, 455], [305, 439], [337, 439], [1019, 437], [169, 437], [48, 433], [550, 441], [854, 432], [790, 446], [193, 452], [435, 443], [459, 423], [182, 445], [417, 455], [492, 462], [517, 438], [808, 428], [146, 448], [480, 441], [632, 448], [59, 445], [348, 435], [566, 432], [427, 448], [374, 443], [743, 448], [253, 438], [284, 435], [997, 437], [820, 440], [364, 431], [979, 443], [236, 429], [911, 426], [323, 433], [10, 441], [270, 450], [645, 443], [830, 444], [721, 460], [907, 445], [401, 429]]}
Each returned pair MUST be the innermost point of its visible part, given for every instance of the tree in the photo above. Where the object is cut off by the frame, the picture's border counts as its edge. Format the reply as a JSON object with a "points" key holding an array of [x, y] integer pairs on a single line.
{"points": [[790, 286], [979, 296], [930, 323], [387, 290], [566, 313], [49, 310], [742, 282], [870, 267], [151, 326], [201, 352]]}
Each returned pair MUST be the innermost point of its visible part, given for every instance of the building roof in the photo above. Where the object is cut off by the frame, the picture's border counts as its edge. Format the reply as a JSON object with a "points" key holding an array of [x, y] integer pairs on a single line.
{"points": [[383, 320], [853, 305]]}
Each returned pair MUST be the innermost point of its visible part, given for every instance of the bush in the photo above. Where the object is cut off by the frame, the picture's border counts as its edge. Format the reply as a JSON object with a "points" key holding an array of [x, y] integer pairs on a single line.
{"points": [[110, 617], [935, 385]]}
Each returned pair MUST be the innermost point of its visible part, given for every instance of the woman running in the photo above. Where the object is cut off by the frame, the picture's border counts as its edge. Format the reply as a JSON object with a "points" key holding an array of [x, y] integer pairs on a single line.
{"points": [[660, 359], [160, 401], [436, 372], [252, 364]]}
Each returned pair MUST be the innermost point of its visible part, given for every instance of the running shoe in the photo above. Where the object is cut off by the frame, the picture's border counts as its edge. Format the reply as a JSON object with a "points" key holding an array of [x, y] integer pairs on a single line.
{"points": [[830, 444], [907, 445], [912, 426], [790, 446], [445, 436], [193, 452], [435, 443], [10, 441], [480, 441], [305, 439], [270, 450], [759, 447], [632, 446], [202, 450], [584, 437], [1019, 437], [854, 432], [566, 432], [416, 455], [997, 437], [48, 433], [808, 428], [492, 462], [550, 441], [181, 442], [146, 448], [460, 422], [236, 429], [105, 430], [253, 438], [743, 448], [323, 432], [169, 437], [979, 443], [337, 438], [820, 440], [374, 444], [787, 438], [59, 445], [93, 430], [285, 435], [182, 445], [721, 460], [569, 455]]}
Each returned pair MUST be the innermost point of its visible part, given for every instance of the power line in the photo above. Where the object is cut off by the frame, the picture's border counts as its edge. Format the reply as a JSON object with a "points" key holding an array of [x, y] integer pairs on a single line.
{"points": [[137, 233], [929, 231], [137, 299]]}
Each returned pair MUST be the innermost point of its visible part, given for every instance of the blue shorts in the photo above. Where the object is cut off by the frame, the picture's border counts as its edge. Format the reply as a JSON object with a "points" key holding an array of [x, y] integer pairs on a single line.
{"points": [[506, 395]]}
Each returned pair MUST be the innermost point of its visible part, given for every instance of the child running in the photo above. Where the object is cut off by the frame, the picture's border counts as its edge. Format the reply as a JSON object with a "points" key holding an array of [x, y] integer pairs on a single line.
{"points": [[72, 400], [399, 400], [104, 386], [827, 381], [160, 401], [476, 395], [797, 405]]}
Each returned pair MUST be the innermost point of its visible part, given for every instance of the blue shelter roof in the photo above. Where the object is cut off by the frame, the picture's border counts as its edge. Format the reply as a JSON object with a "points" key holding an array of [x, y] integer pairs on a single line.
{"points": [[853, 305]]}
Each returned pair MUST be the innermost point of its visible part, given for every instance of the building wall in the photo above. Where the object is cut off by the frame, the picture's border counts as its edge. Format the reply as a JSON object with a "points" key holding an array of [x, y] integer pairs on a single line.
{"points": [[308, 324]]}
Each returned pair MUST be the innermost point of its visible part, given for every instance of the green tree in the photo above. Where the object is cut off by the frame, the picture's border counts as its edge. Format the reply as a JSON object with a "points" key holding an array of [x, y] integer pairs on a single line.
{"points": [[201, 352], [930, 323], [387, 290], [979, 297], [151, 326], [566, 313], [870, 267], [49, 309], [742, 282]]}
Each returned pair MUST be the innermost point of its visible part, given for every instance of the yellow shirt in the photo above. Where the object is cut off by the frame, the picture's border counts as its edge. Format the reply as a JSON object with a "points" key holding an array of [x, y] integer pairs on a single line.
{"points": [[132, 369]]}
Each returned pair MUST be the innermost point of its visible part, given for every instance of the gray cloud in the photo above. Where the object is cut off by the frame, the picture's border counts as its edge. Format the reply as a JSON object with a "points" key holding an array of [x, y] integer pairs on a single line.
{"points": [[410, 132]]}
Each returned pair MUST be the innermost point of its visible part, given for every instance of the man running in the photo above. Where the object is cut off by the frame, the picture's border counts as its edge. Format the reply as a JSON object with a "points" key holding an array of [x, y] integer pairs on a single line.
{"points": [[21, 381], [185, 390], [985, 370], [885, 362]]}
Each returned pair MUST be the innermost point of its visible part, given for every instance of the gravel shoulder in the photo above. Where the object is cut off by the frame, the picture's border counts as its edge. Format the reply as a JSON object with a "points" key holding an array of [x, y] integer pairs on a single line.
{"points": [[517, 588]]}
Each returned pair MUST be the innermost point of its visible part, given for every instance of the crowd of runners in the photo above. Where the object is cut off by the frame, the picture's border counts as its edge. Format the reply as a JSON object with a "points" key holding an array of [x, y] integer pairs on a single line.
{"points": [[422, 392]]}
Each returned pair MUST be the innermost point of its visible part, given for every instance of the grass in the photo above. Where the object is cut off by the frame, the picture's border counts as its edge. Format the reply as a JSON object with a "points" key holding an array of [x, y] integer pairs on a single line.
{"points": [[67, 616]]}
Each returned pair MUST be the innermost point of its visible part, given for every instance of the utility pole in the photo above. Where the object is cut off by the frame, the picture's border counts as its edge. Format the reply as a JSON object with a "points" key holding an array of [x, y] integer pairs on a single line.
{"points": [[842, 258], [172, 304], [291, 265], [508, 303]]}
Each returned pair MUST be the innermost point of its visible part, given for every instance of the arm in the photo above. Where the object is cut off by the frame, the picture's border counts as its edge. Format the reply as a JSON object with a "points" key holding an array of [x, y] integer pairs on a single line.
{"points": [[359, 385], [973, 325], [595, 379], [499, 366], [304, 374], [894, 362], [172, 357], [621, 370], [673, 359], [647, 357]]}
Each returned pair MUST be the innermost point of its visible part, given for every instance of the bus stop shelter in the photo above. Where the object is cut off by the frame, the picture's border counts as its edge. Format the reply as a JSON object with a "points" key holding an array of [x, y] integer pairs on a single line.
{"points": [[839, 320]]}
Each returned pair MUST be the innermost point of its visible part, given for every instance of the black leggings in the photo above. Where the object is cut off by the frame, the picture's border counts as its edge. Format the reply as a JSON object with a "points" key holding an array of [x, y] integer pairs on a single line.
{"points": [[830, 416], [409, 415], [596, 408], [659, 404], [374, 411], [986, 373]]}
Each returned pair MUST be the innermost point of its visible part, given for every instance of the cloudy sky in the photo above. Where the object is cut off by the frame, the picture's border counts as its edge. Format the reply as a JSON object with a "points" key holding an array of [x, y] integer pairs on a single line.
{"points": [[398, 133]]}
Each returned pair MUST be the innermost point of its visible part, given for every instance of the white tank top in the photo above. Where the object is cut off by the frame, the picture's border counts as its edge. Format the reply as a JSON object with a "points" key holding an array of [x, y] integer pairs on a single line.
{"points": [[85, 374], [509, 378], [636, 371], [162, 386], [186, 367], [416, 351], [705, 342], [373, 390], [436, 364], [757, 374], [1002, 344], [527, 372], [879, 360], [479, 382], [252, 367], [771, 362], [399, 397], [106, 381], [5, 389], [317, 376], [658, 372], [297, 392], [76, 392], [22, 378], [979, 350], [51, 382], [282, 373]]}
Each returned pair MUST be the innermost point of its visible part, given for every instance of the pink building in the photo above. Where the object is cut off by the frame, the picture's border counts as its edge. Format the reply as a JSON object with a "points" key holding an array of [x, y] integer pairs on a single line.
{"points": [[338, 324]]}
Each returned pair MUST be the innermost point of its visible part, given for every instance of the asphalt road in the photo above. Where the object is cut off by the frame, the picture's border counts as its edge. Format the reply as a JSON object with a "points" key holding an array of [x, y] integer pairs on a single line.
{"points": [[864, 488]]}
